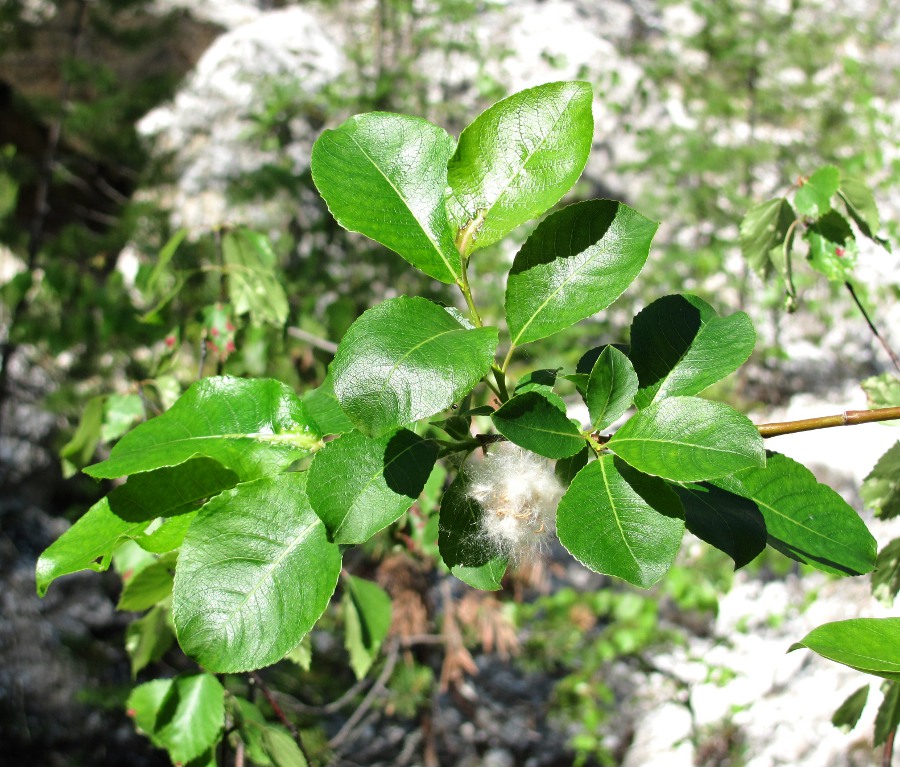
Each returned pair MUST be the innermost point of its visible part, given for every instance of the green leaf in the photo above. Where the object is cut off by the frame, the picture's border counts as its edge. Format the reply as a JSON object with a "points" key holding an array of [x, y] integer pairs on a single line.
{"points": [[255, 573], [688, 439], [253, 427], [281, 748], [486, 577], [367, 620], [301, 655], [518, 158], [167, 536], [532, 421], [888, 716], [150, 585], [619, 522], [358, 485], [251, 725], [567, 468], [163, 260], [576, 262], [119, 414], [254, 283], [870, 645], [611, 387], [79, 451], [407, 359], [144, 703], [832, 247], [385, 176], [86, 545], [881, 488], [149, 638], [325, 410], [849, 712], [169, 492], [813, 198], [861, 207], [191, 716], [883, 390], [460, 539], [680, 346], [727, 521], [886, 578], [763, 231], [805, 520]]}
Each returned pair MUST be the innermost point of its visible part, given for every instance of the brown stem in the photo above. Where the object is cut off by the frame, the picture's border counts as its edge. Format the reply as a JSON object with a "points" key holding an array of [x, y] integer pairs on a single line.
{"points": [[887, 755], [884, 344], [848, 418], [258, 681]]}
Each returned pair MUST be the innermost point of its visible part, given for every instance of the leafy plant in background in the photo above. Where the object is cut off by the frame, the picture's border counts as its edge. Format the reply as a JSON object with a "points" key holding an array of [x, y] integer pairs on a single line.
{"points": [[244, 499]]}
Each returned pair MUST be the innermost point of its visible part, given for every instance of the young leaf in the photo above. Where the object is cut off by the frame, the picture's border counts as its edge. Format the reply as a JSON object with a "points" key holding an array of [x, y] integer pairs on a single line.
{"points": [[281, 748], [849, 712], [881, 488], [147, 639], [870, 645], [805, 520], [144, 703], [611, 387], [832, 247], [149, 586], [407, 359], [86, 545], [385, 176], [532, 421], [255, 573], [813, 198], [763, 231], [687, 439], [367, 620], [486, 577], [254, 285], [619, 522], [727, 521], [680, 346], [576, 262], [253, 427], [359, 485], [886, 578], [190, 717], [518, 158], [888, 716]]}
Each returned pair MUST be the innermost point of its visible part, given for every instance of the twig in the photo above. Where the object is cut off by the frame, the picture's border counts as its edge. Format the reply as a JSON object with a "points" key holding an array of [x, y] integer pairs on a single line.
{"points": [[884, 344], [377, 689], [887, 755], [320, 343], [848, 418], [258, 681]]}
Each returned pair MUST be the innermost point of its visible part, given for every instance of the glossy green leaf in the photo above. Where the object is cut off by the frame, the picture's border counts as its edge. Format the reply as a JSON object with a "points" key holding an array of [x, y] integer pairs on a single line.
{"points": [[325, 410], [518, 158], [170, 491], [532, 421], [870, 645], [813, 198], [253, 427], [805, 520], [861, 207], [86, 545], [763, 231], [619, 522], [611, 387], [358, 485], [687, 439], [729, 522], [254, 282], [367, 620], [883, 391], [191, 716], [281, 748], [888, 716], [881, 488], [385, 176], [832, 247], [886, 578], [680, 346], [849, 712], [149, 586], [149, 638], [576, 262], [407, 359], [255, 573]]}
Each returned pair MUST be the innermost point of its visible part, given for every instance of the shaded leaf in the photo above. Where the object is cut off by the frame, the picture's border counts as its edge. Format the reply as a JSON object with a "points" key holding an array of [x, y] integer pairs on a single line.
{"points": [[532, 421], [805, 520], [254, 283], [888, 716], [253, 427], [576, 262], [149, 638], [385, 176], [391, 367], [367, 620], [861, 207], [688, 439], [763, 230], [886, 578], [567, 468], [870, 645], [79, 451], [519, 157], [849, 712], [832, 247], [359, 485], [281, 748], [611, 387], [881, 488], [150, 585], [255, 573], [460, 539], [619, 522]]}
